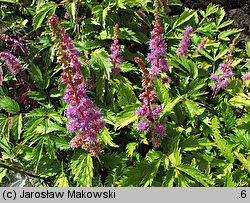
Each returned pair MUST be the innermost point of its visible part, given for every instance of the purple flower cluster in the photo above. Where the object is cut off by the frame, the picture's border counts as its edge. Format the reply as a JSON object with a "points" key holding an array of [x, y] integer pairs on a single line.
{"points": [[246, 76], [222, 78], [84, 118], [148, 110], [12, 64], [115, 49], [184, 44], [201, 45], [13, 42], [158, 47]]}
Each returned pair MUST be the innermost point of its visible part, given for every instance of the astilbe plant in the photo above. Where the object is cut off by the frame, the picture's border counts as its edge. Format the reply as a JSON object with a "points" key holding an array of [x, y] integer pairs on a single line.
{"points": [[150, 110], [157, 47], [84, 118], [225, 72], [184, 44], [115, 56], [12, 64]]}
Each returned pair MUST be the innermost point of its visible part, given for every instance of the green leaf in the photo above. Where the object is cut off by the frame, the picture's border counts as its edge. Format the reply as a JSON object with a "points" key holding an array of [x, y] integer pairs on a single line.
{"points": [[245, 162], [17, 125], [248, 48], [224, 34], [193, 109], [37, 153], [3, 125], [168, 180], [106, 138], [3, 171], [211, 9], [168, 107], [12, 2], [41, 14], [225, 148], [124, 33], [130, 148], [185, 16], [48, 126], [37, 95], [220, 14], [9, 105], [41, 80], [126, 117], [100, 60], [126, 96], [222, 53], [142, 174], [240, 100], [204, 53], [161, 90], [225, 24], [62, 180], [82, 169], [37, 112], [196, 174]]}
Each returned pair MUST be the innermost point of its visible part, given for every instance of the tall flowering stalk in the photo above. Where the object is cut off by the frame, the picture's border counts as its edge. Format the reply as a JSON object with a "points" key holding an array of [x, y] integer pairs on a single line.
{"points": [[149, 110], [201, 45], [184, 44], [115, 48], [224, 73], [12, 64], [157, 47], [84, 118]]}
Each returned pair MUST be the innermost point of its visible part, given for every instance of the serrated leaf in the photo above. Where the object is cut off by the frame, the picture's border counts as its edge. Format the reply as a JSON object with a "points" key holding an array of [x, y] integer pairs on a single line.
{"points": [[154, 155], [126, 96], [220, 14], [161, 90], [37, 153], [37, 95], [126, 117], [48, 126], [168, 107], [130, 148], [184, 17], [17, 125], [37, 112], [9, 105], [193, 109], [106, 138], [168, 180], [211, 9], [196, 174], [224, 34], [225, 148], [41, 80], [61, 143], [41, 14], [240, 100], [100, 60], [204, 53], [82, 169], [142, 174], [245, 162], [62, 180], [222, 53], [225, 24]]}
